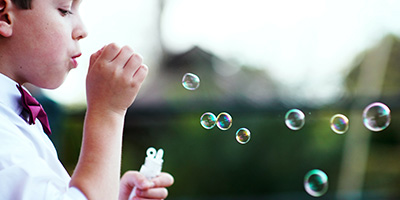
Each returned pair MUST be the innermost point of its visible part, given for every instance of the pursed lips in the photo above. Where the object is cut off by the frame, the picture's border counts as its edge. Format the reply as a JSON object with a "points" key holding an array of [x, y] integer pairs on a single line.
{"points": [[73, 60]]}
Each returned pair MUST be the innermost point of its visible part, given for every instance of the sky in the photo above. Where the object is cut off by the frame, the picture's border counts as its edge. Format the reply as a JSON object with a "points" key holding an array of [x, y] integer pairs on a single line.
{"points": [[305, 46]]}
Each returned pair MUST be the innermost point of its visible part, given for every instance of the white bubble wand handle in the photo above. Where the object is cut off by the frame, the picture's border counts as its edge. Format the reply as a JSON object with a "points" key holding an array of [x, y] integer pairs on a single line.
{"points": [[152, 166]]}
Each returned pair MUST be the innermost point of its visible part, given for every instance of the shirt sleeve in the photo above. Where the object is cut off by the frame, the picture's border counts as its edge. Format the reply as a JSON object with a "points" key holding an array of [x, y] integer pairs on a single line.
{"points": [[24, 174], [74, 193]]}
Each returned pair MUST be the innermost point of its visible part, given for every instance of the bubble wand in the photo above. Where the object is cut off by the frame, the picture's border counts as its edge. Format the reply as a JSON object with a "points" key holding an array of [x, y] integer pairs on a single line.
{"points": [[152, 166]]}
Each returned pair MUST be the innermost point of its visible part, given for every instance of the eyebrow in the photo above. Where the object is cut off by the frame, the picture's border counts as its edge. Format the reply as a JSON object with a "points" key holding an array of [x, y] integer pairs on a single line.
{"points": [[76, 1]]}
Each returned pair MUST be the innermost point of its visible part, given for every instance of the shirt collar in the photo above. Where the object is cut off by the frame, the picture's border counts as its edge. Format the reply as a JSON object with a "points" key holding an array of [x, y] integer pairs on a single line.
{"points": [[9, 94]]}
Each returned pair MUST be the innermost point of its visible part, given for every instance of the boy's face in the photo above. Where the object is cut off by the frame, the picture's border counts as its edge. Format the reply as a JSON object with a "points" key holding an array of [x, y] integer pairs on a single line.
{"points": [[45, 41]]}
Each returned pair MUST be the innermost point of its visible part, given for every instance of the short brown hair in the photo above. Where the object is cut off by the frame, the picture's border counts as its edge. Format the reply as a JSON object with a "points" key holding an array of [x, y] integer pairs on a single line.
{"points": [[23, 4]]}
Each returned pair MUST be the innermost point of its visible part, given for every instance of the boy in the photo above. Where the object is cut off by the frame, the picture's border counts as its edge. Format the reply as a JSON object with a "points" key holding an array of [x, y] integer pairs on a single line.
{"points": [[39, 45]]}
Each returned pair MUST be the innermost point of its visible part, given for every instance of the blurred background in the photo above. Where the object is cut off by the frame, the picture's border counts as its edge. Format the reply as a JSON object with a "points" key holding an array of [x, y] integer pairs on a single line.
{"points": [[256, 60]]}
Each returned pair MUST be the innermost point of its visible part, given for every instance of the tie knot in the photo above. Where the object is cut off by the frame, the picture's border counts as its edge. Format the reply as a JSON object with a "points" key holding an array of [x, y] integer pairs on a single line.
{"points": [[34, 109]]}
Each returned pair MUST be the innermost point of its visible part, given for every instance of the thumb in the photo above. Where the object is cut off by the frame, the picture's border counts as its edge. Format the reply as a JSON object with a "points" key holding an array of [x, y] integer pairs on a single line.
{"points": [[133, 179]]}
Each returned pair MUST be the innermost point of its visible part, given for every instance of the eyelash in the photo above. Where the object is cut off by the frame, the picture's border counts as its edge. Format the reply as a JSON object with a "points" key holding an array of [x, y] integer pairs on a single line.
{"points": [[65, 12]]}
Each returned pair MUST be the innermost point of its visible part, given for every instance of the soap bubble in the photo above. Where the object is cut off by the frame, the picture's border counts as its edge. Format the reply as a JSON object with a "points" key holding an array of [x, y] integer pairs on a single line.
{"points": [[243, 135], [224, 121], [294, 119], [190, 81], [208, 120], [376, 116], [339, 123], [316, 183]]}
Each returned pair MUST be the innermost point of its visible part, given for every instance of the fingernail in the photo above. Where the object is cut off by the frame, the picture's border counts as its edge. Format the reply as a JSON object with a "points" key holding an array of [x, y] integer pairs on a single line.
{"points": [[100, 50], [144, 66], [149, 184]]}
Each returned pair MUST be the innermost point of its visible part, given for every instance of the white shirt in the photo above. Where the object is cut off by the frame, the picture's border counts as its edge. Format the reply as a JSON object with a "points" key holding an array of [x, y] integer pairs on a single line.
{"points": [[29, 166]]}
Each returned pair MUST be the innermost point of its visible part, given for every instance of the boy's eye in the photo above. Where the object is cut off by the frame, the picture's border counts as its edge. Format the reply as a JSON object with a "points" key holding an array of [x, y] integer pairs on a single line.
{"points": [[65, 12]]}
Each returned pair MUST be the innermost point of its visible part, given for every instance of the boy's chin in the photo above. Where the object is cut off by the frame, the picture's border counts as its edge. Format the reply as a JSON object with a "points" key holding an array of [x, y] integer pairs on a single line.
{"points": [[52, 85], [55, 86]]}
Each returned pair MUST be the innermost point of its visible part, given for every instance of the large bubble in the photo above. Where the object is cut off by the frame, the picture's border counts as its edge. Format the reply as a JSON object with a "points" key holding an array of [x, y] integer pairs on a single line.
{"points": [[294, 119], [316, 183], [190, 81], [224, 121], [243, 135], [339, 123], [208, 120], [376, 116]]}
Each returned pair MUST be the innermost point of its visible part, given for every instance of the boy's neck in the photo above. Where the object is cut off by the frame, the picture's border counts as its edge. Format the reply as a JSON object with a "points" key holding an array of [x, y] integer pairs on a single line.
{"points": [[9, 74]]}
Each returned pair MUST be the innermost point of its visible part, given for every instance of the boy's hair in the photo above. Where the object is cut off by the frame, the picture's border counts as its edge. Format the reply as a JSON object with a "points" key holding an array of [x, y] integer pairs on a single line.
{"points": [[23, 4]]}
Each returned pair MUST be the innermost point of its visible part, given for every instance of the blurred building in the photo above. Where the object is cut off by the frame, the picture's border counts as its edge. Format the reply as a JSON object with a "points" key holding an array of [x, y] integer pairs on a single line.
{"points": [[224, 86], [221, 82]]}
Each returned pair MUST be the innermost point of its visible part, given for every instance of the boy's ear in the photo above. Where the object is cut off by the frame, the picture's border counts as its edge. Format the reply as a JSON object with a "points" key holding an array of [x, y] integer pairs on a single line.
{"points": [[5, 18]]}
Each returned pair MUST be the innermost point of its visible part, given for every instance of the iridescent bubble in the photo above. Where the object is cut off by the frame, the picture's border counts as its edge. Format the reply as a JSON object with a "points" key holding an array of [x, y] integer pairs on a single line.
{"points": [[294, 119], [316, 183], [224, 121], [190, 81], [208, 120], [243, 135], [339, 123], [376, 116]]}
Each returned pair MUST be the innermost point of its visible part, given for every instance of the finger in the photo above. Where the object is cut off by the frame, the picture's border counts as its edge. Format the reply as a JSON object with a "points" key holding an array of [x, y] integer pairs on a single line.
{"points": [[125, 187], [163, 180], [134, 178], [153, 193], [132, 65], [110, 52], [140, 74], [94, 57], [127, 57]]}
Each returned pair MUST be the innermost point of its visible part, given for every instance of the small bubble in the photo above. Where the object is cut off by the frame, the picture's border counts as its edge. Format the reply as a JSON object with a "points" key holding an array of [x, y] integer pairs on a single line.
{"points": [[190, 81], [316, 183], [243, 135], [376, 116], [208, 120], [224, 121], [339, 123], [294, 119]]}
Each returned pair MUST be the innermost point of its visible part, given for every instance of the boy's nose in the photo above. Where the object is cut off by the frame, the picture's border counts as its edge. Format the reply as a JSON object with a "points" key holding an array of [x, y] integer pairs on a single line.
{"points": [[80, 31], [81, 34]]}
